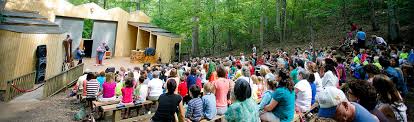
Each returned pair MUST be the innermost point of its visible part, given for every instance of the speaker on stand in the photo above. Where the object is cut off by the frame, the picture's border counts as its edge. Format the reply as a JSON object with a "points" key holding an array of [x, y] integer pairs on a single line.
{"points": [[177, 52], [41, 53]]}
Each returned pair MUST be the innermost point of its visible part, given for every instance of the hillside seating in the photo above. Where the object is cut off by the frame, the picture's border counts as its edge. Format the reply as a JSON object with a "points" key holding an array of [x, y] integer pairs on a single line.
{"points": [[117, 108]]}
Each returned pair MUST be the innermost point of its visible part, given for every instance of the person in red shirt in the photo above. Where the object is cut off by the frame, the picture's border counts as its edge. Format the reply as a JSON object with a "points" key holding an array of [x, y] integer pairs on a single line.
{"points": [[251, 67], [182, 87], [354, 27]]}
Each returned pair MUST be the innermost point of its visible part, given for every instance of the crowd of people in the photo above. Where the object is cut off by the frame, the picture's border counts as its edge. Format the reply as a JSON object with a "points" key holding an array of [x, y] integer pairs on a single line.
{"points": [[278, 86]]}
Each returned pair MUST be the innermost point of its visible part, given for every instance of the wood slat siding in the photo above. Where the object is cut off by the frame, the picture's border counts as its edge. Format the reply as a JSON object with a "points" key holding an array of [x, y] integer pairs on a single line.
{"points": [[56, 83], [53, 8], [24, 82], [18, 54]]}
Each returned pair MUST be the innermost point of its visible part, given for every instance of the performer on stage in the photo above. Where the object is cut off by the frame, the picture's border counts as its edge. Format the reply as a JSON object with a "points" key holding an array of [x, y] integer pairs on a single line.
{"points": [[100, 53]]}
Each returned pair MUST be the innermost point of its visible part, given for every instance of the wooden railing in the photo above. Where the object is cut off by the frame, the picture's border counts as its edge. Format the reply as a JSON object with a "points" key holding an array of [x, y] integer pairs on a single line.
{"points": [[55, 84], [26, 81]]}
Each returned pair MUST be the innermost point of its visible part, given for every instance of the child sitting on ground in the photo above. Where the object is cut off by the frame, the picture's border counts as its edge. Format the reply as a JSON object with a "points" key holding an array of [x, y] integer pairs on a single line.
{"points": [[209, 101], [195, 105]]}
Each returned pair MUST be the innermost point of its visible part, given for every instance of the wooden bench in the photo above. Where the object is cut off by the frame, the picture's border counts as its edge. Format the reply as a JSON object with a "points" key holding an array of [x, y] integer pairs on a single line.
{"points": [[103, 103], [297, 117], [116, 116], [142, 118], [218, 118]]}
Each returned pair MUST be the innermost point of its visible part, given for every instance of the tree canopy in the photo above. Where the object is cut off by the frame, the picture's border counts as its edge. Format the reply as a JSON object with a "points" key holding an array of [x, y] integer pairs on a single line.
{"points": [[225, 25]]}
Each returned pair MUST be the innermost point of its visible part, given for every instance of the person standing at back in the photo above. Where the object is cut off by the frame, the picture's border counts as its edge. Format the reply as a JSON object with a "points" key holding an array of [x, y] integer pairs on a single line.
{"points": [[222, 90], [361, 38], [192, 78]]}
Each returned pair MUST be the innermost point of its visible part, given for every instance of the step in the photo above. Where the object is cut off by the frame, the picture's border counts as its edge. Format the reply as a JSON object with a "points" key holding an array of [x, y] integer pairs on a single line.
{"points": [[27, 21], [33, 29], [34, 15]]}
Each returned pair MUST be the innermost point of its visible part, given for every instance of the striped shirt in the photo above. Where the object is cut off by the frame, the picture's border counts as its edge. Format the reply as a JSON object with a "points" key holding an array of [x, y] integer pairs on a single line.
{"points": [[92, 88], [195, 109]]}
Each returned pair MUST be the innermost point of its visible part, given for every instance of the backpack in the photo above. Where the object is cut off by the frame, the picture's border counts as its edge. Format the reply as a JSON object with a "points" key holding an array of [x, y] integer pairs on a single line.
{"points": [[359, 73]]}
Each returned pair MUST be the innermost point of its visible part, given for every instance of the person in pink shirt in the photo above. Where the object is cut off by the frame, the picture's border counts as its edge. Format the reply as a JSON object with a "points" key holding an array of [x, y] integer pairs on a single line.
{"points": [[222, 86], [127, 94], [108, 88], [127, 91]]}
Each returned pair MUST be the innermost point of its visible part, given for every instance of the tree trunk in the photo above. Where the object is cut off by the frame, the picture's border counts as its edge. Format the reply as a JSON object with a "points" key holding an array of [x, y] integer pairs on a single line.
{"points": [[261, 30], [278, 27], [138, 5], [344, 14], [284, 18], [195, 34], [375, 26], [159, 7], [229, 39], [104, 4], [393, 27]]}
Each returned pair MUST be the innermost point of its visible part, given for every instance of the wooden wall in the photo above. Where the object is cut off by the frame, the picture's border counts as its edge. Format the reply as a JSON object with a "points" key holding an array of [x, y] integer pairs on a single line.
{"points": [[52, 8], [153, 41], [18, 54], [143, 39], [166, 46]]}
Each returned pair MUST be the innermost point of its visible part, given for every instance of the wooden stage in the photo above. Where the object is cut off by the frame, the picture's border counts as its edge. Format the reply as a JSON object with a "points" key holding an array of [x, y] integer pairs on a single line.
{"points": [[116, 62]]}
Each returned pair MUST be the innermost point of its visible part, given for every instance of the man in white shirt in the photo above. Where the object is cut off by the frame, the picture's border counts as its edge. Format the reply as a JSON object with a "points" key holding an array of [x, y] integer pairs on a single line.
{"points": [[303, 92], [155, 87], [378, 40]]}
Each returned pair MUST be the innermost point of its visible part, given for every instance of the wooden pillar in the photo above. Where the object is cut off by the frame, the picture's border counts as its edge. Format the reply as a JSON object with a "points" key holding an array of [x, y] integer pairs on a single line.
{"points": [[116, 116]]}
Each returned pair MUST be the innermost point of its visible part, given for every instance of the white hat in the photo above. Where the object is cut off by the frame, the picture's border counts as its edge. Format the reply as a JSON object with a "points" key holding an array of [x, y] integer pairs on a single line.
{"points": [[330, 97], [270, 77]]}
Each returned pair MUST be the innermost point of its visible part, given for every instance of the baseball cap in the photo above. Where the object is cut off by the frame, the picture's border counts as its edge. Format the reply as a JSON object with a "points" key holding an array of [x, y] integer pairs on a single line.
{"points": [[328, 99]]}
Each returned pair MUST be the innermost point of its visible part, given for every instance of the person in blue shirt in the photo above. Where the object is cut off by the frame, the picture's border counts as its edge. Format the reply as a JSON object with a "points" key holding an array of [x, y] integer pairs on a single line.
{"points": [[79, 55], [282, 105], [195, 105], [395, 76], [361, 36], [209, 102], [192, 78], [101, 79], [311, 81], [267, 95], [353, 112]]}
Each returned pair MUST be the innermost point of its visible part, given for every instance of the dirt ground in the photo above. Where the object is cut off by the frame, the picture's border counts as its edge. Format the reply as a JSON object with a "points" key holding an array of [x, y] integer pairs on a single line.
{"points": [[56, 108]]}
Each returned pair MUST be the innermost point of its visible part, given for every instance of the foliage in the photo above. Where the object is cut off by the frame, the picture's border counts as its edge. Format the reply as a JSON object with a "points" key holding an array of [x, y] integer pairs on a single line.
{"points": [[87, 29], [231, 24]]}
